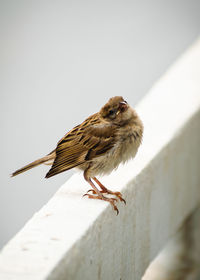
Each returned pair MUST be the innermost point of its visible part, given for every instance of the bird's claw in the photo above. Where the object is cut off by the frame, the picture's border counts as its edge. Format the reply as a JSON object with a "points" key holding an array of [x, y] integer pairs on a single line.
{"points": [[91, 191], [111, 200], [119, 195]]}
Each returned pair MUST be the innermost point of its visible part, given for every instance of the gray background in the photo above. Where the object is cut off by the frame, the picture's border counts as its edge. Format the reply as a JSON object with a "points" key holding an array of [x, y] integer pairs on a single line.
{"points": [[60, 62]]}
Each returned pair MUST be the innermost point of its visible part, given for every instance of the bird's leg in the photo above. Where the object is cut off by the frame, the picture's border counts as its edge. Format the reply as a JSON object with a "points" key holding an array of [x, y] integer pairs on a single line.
{"points": [[99, 195], [105, 190]]}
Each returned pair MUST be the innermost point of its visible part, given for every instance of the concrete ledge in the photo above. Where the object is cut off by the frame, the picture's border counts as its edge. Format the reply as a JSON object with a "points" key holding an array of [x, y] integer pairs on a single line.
{"points": [[180, 258], [76, 238]]}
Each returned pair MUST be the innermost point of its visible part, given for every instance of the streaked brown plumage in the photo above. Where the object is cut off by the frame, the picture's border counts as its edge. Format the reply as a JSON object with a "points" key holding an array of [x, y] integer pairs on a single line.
{"points": [[97, 146]]}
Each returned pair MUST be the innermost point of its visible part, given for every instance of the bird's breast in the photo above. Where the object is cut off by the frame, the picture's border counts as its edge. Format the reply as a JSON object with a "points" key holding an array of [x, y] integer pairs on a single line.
{"points": [[125, 148]]}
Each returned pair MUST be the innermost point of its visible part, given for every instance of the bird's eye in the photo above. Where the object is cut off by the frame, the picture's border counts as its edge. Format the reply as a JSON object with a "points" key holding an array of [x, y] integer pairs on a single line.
{"points": [[111, 112]]}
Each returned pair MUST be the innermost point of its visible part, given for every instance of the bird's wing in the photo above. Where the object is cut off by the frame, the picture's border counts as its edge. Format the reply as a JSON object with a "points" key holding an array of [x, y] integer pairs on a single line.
{"points": [[83, 143]]}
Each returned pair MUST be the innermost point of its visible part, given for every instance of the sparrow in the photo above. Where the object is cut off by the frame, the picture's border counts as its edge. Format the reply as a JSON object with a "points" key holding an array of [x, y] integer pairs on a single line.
{"points": [[97, 146]]}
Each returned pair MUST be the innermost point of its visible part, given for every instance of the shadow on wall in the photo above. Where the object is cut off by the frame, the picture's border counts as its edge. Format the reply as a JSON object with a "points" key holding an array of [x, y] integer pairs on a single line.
{"points": [[179, 260]]}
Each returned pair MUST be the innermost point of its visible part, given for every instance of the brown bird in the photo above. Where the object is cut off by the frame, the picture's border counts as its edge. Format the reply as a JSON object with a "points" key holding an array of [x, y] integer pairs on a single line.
{"points": [[97, 146]]}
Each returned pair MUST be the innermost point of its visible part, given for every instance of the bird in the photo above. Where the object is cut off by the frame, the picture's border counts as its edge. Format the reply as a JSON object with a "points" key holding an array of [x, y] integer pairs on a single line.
{"points": [[97, 146]]}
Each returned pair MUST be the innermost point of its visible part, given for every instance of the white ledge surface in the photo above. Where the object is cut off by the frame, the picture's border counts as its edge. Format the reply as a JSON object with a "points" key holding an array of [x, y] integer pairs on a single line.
{"points": [[76, 238]]}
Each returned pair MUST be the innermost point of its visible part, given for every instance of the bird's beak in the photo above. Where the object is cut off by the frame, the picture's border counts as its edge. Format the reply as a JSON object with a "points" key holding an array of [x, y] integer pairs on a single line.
{"points": [[123, 106]]}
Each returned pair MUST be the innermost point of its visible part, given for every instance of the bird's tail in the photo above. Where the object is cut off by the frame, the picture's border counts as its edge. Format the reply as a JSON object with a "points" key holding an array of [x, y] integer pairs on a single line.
{"points": [[46, 160]]}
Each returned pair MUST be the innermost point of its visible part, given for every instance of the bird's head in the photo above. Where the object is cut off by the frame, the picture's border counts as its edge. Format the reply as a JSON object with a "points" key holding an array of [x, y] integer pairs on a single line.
{"points": [[117, 110]]}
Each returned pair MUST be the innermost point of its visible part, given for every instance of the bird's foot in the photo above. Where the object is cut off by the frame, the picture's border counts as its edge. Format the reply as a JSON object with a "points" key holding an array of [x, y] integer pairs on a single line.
{"points": [[106, 191], [112, 201], [117, 194]]}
